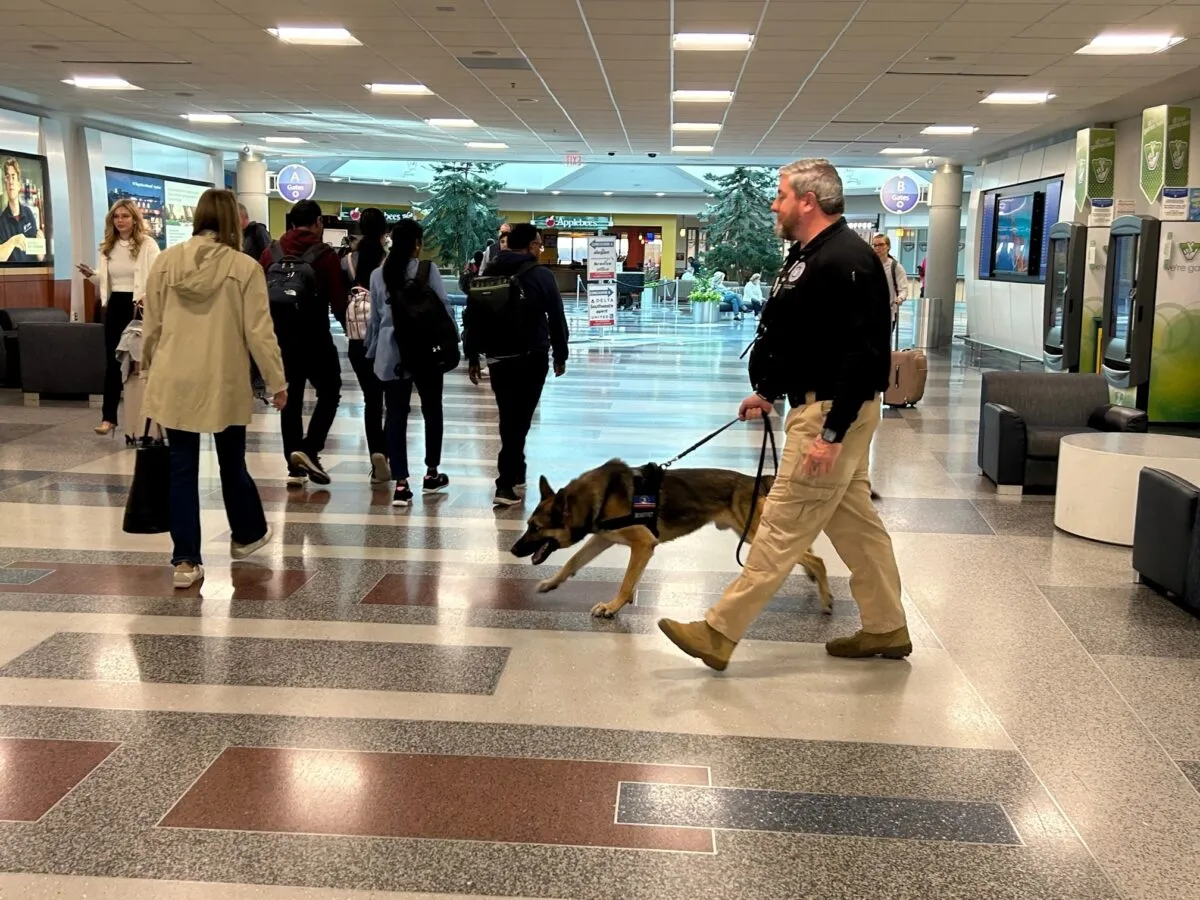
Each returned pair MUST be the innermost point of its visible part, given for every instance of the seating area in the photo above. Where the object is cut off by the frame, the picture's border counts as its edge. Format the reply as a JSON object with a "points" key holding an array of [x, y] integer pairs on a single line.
{"points": [[1024, 415], [1166, 539], [45, 353]]}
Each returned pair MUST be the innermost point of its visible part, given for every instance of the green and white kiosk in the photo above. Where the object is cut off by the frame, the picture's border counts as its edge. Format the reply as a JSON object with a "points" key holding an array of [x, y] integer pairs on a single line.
{"points": [[1062, 327]]}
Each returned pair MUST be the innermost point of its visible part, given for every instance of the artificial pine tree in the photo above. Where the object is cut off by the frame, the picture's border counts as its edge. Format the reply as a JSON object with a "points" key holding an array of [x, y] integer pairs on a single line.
{"points": [[740, 226], [460, 214]]}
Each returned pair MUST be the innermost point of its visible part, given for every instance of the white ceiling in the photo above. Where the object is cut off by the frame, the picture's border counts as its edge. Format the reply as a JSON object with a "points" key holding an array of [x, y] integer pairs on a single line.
{"points": [[837, 78]]}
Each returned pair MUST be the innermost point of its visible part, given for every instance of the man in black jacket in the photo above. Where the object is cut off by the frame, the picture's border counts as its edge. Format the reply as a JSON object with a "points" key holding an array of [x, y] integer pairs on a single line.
{"points": [[518, 372], [823, 344], [255, 237]]}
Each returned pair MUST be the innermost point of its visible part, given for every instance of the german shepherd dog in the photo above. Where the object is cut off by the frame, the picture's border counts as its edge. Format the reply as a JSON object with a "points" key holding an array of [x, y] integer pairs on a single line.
{"points": [[689, 499]]}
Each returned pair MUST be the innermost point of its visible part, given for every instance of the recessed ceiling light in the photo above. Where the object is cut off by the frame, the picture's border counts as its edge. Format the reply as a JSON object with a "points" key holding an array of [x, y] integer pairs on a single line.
{"points": [[608, 193], [712, 41], [697, 126], [940, 58], [43, 46], [702, 96], [527, 100], [406, 90], [445, 8], [484, 53], [451, 123], [209, 118], [556, 193], [1109, 44], [901, 151], [950, 129], [688, 148], [285, 140], [1018, 98], [659, 194], [101, 83], [486, 145], [317, 37]]}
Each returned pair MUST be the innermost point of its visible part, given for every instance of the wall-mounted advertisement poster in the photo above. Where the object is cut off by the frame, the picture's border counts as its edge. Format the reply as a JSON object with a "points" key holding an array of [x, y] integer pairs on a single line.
{"points": [[25, 233], [168, 204]]}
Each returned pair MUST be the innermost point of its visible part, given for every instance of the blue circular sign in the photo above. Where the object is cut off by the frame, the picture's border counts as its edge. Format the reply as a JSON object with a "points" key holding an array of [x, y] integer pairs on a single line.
{"points": [[296, 183], [900, 194]]}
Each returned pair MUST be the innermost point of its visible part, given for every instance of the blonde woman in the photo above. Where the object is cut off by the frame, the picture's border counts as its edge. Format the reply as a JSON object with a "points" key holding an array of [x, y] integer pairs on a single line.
{"points": [[206, 315], [126, 254]]}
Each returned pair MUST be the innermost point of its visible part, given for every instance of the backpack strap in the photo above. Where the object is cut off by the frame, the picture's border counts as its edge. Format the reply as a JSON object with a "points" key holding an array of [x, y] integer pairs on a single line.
{"points": [[277, 253], [315, 252], [526, 267], [892, 270], [423, 268]]}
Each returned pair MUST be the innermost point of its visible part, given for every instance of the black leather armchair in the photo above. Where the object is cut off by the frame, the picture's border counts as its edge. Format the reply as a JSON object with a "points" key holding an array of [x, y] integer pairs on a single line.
{"points": [[62, 359], [11, 321], [1024, 415], [1166, 536]]}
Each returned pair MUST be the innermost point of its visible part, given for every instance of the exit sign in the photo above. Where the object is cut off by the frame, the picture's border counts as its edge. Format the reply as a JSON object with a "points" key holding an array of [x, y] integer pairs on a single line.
{"points": [[573, 159]]}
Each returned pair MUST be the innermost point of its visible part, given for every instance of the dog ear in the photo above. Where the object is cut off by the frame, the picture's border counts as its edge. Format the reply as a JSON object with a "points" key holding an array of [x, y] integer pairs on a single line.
{"points": [[544, 486]]}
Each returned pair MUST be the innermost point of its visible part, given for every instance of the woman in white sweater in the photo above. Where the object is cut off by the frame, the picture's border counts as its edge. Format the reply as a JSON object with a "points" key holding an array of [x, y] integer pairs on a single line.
{"points": [[126, 254]]}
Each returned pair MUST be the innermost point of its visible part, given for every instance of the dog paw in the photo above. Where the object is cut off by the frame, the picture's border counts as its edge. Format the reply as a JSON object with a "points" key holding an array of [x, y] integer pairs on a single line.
{"points": [[604, 611], [827, 609], [545, 587]]}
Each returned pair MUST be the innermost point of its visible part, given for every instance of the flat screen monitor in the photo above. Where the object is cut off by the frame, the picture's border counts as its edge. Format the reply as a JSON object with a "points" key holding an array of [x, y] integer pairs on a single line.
{"points": [[25, 232], [1014, 244], [1124, 286], [168, 205]]}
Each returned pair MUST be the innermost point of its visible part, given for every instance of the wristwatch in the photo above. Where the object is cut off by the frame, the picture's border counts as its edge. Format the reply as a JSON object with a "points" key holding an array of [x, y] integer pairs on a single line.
{"points": [[829, 436]]}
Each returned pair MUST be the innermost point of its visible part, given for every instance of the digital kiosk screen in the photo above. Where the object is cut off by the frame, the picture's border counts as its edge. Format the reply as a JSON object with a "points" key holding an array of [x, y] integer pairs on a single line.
{"points": [[1124, 285], [1058, 281], [168, 205]]}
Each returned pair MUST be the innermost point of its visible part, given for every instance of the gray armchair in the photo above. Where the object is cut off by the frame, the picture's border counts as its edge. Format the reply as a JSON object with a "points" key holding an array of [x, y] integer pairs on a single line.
{"points": [[1166, 536], [11, 321], [1024, 415], [62, 359]]}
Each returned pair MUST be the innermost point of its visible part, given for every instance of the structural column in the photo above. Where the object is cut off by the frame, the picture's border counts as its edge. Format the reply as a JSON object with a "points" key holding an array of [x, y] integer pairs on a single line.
{"points": [[941, 262], [252, 185]]}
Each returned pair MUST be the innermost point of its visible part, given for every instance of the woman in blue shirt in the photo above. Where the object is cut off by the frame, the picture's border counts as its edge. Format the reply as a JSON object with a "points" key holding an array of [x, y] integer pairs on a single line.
{"points": [[389, 279]]}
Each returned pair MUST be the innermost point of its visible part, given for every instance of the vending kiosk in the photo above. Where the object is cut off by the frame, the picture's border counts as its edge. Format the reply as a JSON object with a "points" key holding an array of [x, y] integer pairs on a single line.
{"points": [[1062, 326], [1131, 283]]}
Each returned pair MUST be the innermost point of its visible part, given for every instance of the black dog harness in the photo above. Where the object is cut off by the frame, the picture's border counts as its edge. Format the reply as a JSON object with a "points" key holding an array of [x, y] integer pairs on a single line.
{"points": [[647, 492]]}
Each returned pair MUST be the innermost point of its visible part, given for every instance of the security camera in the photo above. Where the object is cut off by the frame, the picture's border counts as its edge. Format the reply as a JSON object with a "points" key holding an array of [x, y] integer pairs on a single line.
{"points": [[652, 155], [931, 163], [612, 153], [245, 148]]}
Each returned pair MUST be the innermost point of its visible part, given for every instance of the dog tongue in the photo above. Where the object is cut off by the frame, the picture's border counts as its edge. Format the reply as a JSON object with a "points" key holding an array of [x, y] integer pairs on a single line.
{"points": [[541, 553]]}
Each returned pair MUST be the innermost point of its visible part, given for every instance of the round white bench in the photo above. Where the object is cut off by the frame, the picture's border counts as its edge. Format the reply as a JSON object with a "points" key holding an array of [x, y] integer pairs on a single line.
{"points": [[1098, 479]]}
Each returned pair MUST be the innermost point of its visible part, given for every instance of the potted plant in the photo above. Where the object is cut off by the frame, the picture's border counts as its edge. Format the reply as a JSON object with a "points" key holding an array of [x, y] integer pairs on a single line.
{"points": [[706, 304]]}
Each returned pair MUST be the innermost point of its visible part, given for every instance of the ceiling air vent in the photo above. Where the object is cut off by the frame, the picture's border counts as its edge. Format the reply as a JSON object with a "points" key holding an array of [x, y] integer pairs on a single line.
{"points": [[509, 63]]}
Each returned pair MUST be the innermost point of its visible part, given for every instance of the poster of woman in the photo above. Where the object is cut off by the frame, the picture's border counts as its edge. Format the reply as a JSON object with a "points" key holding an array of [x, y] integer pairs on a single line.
{"points": [[24, 226]]}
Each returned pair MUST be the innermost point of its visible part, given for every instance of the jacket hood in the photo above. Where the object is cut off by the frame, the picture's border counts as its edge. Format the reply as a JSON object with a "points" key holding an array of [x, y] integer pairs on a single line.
{"points": [[508, 261], [196, 272], [296, 242]]}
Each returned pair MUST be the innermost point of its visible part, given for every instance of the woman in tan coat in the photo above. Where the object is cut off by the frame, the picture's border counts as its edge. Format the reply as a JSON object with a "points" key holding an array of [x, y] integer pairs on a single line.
{"points": [[206, 315]]}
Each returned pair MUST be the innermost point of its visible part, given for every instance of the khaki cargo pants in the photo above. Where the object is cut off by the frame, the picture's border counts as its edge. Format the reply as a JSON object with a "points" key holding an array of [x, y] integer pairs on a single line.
{"points": [[800, 507]]}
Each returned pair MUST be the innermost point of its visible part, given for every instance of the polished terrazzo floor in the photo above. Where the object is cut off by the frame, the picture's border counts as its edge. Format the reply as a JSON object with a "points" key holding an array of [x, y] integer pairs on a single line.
{"points": [[380, 704]]}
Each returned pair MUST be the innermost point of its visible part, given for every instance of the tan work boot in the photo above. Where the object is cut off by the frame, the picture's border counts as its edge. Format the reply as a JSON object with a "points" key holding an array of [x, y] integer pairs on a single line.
{"points": [[861, 644], [700, 640]]}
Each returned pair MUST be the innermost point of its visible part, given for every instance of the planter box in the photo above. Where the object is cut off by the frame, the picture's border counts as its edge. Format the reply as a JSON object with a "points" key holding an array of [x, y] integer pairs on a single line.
{"points": [[705, 313]]}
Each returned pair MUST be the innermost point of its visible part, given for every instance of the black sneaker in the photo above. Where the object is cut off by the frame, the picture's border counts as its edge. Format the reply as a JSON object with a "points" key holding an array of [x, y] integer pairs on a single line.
{"points": [[506, 497], [311, 465], [434, 483], [402, 497], [296, 479]]}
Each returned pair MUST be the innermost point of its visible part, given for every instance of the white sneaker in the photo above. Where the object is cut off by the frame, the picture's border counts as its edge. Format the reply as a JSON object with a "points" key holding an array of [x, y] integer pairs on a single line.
{"points": [[297, 479], [381, 472], [187, 575], [241, 551]]}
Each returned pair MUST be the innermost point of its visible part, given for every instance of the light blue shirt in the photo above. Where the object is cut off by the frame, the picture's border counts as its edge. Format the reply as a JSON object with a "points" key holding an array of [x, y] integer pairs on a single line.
{"points": [[380, 342]]}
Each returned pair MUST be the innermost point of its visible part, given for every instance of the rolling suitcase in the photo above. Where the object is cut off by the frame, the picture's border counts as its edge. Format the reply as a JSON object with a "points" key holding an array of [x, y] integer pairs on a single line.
{"points": [[906, 386]]}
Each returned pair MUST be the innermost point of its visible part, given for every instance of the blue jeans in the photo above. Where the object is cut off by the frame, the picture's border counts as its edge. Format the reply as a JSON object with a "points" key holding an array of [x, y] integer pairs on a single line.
{"points": [[243, 506], [735, 299]]}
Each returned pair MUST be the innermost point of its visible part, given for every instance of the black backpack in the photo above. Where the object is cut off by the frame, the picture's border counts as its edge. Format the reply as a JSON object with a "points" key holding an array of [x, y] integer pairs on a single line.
{"points": [[424, 330], [498, 314], [292, 280]]}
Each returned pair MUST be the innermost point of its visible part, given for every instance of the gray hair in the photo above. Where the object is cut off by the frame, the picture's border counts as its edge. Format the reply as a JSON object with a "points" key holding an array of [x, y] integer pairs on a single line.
{"points": [[819, 177], [242, 209]]}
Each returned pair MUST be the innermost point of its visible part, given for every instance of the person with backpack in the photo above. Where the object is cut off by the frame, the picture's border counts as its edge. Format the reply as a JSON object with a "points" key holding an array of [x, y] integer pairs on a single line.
{"points": [[304, 282], [514, 316], [360, 265], [413, 339], [897, 278]]}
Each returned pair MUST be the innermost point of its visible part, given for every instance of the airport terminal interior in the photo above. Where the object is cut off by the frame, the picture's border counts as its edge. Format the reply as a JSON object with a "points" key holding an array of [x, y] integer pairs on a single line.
{"points": [[379, 702]]}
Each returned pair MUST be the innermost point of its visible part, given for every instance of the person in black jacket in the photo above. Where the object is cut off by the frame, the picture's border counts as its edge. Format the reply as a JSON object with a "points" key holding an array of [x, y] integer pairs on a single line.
{"points": [[823, 342], [518, 373], [255, 237]]}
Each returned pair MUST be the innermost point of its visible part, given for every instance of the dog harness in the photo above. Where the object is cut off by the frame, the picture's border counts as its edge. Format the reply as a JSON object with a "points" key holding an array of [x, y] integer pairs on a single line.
{"points": [[647, 491]]}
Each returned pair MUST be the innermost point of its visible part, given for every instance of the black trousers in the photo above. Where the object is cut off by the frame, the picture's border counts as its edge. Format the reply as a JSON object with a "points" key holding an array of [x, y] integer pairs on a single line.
{"points": [[399, 405], [372, 389], [517, 384], [117, 316], [308, 358]]}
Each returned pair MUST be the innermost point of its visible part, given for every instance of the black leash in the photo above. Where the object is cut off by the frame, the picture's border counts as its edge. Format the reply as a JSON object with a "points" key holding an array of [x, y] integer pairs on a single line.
{"points": [[768, 435], [696, 446]]}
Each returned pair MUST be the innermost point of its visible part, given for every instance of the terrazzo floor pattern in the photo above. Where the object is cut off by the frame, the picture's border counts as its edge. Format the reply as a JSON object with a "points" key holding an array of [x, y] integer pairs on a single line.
{"points": [[380, 704]]}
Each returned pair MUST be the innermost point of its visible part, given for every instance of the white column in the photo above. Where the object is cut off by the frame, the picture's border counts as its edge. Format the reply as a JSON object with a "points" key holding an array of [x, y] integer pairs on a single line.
{"points": [[252, 185], [941, 267]]}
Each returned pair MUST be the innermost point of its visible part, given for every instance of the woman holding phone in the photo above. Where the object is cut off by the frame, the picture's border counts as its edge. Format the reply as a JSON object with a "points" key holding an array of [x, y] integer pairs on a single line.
{"points": [[126, 255]]}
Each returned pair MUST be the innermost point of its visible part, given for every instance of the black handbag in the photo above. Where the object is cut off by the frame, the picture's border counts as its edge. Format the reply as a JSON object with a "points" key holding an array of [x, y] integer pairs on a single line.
{"points": [[148, 509]]}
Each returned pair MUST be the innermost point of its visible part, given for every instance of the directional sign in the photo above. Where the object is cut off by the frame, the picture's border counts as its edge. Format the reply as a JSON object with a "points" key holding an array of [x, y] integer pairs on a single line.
{"points": [[296, 183], [602, 305], [602, 258], [900, 194]]}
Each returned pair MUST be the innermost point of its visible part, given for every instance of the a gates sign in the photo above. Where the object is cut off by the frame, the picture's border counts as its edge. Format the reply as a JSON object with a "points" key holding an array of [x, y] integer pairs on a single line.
{"points": [[900, 194], [573, 223]]}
